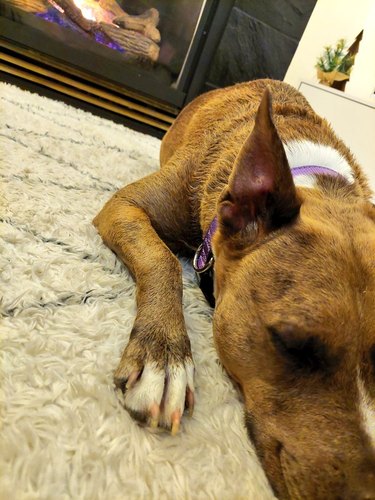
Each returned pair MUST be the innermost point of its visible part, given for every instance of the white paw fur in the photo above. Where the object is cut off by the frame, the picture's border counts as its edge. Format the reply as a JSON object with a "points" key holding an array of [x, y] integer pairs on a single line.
{"points": [[165, 388]]}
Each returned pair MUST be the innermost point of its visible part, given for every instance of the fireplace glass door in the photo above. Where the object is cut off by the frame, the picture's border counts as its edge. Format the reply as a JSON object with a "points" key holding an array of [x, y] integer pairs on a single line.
{"points": [[153, 48]]}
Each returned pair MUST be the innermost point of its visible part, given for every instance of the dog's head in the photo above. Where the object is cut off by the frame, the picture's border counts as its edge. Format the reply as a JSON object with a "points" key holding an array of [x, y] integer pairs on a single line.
{"points": [[295, 320]]}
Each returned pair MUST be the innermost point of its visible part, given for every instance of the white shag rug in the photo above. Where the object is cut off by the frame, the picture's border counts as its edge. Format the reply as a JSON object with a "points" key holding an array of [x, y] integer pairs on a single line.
{"points": [[67, 310]]}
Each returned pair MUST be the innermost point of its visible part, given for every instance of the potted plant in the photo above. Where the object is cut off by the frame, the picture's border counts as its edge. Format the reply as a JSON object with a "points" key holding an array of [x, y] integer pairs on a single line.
{"points": [[334, 65]]}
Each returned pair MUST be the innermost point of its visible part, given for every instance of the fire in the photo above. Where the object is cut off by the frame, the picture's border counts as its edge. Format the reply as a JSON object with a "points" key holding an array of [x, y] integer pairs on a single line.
{"points": [[56, 6], [91, 10], [87, 11]]}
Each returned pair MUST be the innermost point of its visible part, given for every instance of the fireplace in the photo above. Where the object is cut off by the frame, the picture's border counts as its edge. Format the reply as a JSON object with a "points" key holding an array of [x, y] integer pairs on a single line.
{"points": [[144, 59]]}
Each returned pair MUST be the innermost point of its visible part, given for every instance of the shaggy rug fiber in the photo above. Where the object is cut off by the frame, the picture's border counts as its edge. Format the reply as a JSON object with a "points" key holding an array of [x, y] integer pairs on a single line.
{"points": [[67, 310]]}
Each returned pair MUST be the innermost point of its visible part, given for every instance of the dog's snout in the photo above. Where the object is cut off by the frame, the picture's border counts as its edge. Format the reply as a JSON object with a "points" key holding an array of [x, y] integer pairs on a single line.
{"points": [[364, 494], [362, 483]]}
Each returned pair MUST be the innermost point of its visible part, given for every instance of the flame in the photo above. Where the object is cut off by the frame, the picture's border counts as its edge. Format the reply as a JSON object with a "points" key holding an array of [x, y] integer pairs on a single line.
{"points": [[90, 9], [87, 12], [56, 6]]}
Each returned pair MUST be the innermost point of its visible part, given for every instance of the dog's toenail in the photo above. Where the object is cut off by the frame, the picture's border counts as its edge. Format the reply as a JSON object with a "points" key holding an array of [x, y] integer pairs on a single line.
{"points": [[133, 377], [120, 383], [176, 417], [155, 413]]}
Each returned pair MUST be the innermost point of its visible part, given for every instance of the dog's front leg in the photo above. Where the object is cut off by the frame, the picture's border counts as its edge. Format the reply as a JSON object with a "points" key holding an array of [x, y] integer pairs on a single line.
{"points": [[156, 369]]}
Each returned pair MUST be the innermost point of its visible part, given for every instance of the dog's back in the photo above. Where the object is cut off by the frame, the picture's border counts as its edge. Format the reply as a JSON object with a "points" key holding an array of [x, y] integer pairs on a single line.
{"points": [[208, 135]]}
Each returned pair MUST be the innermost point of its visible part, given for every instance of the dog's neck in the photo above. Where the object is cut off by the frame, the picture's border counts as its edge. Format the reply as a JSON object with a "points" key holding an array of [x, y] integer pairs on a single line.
{"points": [[307, 160], [305, 153]]}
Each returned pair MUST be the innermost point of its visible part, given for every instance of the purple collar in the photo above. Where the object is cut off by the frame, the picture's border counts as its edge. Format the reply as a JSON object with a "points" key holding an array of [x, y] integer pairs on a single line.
{"points": [[203, 258], [314, 170]]}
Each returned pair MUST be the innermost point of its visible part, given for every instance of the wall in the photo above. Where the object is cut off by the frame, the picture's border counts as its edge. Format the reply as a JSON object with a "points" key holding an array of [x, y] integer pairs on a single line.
{"points": [[352, 119], [362, 79], [330, 21], [259, 40]]}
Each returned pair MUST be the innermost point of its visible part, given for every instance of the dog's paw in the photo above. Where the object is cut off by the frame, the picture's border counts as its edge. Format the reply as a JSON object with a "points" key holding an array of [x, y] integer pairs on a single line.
{"points": [[158, 384]]}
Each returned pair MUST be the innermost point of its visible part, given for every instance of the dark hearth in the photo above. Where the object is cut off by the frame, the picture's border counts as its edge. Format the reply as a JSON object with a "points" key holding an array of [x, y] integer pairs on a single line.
{"points": [[156, 53], [146, 59]]}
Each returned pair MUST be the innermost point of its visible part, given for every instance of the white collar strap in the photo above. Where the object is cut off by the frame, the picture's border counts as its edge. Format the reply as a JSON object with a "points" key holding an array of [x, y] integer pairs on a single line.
{"points": [[305, 152]]}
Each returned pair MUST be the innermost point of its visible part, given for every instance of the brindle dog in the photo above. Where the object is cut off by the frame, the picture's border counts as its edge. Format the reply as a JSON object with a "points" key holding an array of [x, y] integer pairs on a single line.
{"points": [[294, 322]]}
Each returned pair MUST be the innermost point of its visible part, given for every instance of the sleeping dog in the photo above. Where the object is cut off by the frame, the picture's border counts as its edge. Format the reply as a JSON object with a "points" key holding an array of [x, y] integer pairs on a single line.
{"points": [[281, 216]]}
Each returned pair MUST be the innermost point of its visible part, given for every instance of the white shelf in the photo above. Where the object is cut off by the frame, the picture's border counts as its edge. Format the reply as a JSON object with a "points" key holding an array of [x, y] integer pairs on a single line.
{"points": [[353, 120]]}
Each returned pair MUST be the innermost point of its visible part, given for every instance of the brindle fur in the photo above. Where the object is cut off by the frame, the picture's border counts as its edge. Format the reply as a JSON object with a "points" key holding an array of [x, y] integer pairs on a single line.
{"points": [[295, 319]]}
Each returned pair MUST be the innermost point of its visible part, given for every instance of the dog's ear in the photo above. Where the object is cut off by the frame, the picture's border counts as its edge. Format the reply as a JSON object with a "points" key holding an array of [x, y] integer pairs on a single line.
{"points": [[261, 186]]}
